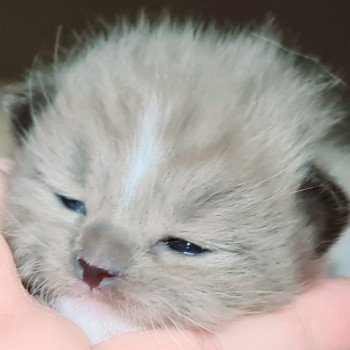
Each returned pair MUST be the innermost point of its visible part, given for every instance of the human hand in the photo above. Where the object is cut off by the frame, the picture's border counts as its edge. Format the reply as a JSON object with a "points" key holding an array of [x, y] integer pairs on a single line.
{"points": [[319, 319]]}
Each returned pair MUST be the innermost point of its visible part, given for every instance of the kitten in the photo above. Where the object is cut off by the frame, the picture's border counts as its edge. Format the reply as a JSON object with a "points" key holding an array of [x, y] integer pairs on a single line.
{"points": [[167, 175]]}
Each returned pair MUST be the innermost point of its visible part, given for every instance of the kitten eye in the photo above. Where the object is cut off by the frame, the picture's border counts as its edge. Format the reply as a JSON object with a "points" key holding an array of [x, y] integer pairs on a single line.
{"points": [[72, 204], [184, 247]]}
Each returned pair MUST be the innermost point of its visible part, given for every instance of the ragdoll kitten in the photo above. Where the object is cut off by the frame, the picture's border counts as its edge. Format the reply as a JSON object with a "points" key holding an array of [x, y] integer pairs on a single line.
{"points": [[166, 176]]}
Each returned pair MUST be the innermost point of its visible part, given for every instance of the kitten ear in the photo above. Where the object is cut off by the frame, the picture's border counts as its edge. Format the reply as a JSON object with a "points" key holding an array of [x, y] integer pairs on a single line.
{"points": [[23, 104], [327, 207]]}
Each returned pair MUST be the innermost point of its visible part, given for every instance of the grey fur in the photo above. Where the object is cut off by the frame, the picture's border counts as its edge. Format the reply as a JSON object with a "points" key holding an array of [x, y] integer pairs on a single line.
{"points": [[171, 131]]}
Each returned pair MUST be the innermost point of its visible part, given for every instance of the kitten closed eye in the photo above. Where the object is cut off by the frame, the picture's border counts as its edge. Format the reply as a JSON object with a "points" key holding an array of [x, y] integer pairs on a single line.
{"points": [[184, 247], [72, 204]]}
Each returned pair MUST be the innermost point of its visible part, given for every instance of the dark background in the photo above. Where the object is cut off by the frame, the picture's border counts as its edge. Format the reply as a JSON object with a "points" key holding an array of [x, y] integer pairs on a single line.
{"points": [[316, 27]]}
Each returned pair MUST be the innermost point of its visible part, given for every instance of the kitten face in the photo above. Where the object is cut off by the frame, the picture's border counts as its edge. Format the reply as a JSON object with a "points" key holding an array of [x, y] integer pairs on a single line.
{"points": [[164, 169]]}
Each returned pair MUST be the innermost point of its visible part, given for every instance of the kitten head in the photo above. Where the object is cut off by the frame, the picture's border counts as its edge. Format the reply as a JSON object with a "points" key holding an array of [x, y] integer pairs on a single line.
{"points": [[167, 175]]}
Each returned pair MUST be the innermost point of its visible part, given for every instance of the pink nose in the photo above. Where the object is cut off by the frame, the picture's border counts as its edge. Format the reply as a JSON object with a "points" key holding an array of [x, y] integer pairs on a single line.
{"points": [[93, 275]]}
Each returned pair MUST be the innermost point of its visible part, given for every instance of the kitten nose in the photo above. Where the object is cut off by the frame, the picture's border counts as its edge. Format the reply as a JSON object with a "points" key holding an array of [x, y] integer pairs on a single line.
{"points": [[93, 275], [103, 253]]}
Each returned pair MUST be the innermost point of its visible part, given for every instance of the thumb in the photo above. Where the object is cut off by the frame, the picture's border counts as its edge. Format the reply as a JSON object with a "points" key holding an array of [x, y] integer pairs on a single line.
{"points": [[14, 292]]}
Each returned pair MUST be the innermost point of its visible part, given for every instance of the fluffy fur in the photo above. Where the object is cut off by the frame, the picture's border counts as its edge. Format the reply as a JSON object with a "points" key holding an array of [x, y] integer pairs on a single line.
{"points": [[169, 131]]}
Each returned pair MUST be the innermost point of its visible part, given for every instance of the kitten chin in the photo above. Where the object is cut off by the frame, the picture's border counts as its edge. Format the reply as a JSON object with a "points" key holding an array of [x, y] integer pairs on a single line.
{"points": [[93, 317]]}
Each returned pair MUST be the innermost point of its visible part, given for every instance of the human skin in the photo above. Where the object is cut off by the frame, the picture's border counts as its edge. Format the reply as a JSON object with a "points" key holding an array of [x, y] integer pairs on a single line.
{"points": [[319, 319]]}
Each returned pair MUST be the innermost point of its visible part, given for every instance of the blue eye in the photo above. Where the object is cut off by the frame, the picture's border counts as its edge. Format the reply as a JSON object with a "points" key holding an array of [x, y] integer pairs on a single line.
{"points": [[72, 204], [184, 247]]}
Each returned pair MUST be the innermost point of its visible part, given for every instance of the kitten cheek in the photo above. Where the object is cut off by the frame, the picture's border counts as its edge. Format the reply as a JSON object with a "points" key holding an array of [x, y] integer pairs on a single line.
{"points": [[96, 320]]}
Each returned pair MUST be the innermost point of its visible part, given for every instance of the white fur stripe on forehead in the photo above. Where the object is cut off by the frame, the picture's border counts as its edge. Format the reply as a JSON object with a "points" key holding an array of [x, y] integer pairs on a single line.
{"points": [[146, 151]]}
